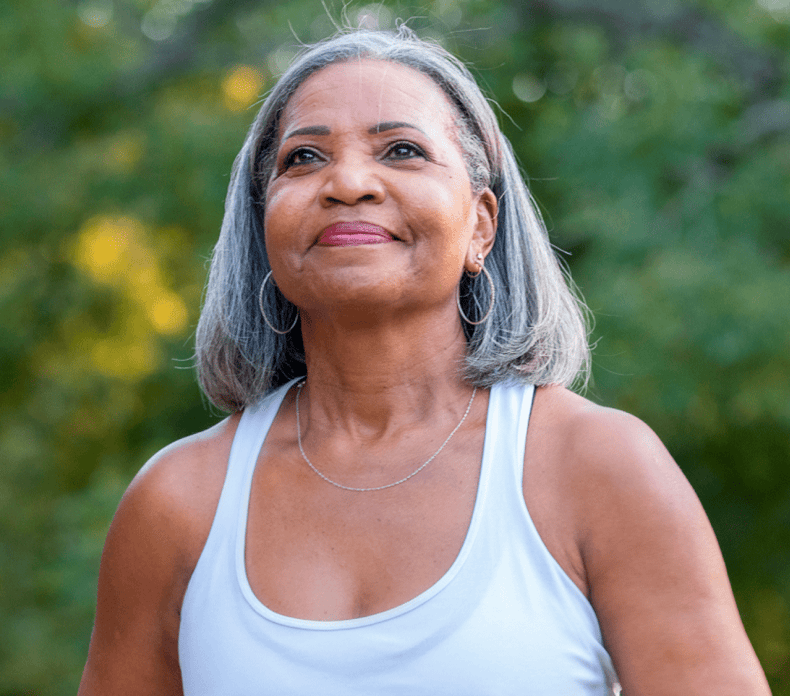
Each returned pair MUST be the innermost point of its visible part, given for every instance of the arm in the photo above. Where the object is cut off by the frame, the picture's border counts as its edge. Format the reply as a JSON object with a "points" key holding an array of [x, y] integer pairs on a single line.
{"points": [[152, 547], [653, 568]]}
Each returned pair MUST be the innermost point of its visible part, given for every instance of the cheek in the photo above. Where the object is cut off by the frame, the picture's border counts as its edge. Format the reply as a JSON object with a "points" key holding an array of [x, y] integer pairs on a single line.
{"points": [[445, 209], [281, 214], [277, 235], [276, 199]]}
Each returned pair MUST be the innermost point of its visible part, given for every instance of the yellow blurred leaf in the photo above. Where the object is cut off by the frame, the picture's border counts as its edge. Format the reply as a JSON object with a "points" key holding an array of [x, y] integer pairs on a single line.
{"points": [[241, 87]]}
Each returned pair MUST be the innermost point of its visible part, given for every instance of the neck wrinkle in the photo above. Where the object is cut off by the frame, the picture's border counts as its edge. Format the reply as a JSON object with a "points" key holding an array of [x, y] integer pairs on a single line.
{"points": [[383, 379]]}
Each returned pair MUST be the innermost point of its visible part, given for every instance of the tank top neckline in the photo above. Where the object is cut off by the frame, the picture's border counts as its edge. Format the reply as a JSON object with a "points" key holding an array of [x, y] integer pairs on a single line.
{"points": [[270, 409]]}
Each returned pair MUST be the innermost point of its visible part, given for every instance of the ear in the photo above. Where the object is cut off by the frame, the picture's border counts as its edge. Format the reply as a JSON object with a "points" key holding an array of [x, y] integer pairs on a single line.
{"points": [[486, 209]]}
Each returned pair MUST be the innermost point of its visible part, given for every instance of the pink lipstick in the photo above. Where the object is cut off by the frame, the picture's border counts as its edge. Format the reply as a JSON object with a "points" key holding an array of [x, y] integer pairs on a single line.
{"points": [[354, 234]]}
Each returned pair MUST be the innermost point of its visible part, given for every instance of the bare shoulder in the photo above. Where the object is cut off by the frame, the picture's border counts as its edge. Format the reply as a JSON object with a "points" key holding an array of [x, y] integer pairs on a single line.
{"points": [[607, 461], [181, 483], [624, 522], [620, 488], [153, 544], [597, 438], [169, 506], [581, 460]]}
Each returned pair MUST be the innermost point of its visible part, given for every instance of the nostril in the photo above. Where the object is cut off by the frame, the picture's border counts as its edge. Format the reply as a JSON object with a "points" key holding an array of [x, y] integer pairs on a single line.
{"points": [[362, 199]]}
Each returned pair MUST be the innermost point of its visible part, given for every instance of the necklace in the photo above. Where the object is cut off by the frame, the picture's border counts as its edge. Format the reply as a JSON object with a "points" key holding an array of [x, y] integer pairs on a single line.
{"points": [[388, 485]]}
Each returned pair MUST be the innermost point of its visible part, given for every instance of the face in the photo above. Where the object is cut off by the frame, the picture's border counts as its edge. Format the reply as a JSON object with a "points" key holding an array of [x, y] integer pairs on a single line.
{"points": [[370, 204]]}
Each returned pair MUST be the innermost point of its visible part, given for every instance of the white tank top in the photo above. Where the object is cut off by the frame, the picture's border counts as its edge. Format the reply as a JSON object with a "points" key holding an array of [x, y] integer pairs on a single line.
{"points": [[504, 620]]}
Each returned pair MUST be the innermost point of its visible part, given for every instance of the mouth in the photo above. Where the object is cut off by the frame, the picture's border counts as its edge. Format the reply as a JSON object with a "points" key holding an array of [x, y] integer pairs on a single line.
{"points": [[354, 234]]}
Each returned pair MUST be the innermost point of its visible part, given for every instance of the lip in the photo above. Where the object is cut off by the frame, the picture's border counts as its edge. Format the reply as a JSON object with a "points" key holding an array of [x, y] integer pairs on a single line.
{"points": [[354, 234]]}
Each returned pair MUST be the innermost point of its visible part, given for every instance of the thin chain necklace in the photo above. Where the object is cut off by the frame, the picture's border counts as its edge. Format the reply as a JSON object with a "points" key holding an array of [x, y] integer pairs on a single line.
{"points": [[388, 485]]}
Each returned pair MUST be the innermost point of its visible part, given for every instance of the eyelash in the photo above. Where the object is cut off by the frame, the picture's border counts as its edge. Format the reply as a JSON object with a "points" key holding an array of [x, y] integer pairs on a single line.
{"points": [[406, 144], [290, 159]]}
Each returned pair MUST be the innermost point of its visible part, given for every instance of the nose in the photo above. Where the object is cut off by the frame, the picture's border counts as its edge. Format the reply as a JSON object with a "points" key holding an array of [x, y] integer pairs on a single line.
{"points": [[349, 181]]}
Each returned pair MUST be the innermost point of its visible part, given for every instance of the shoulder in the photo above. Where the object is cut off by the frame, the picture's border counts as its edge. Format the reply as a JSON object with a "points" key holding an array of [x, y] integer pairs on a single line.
{"points": [[623, 521], [610, 468], [152, 546], [186, 463], [598, 482], [613, 462], [163, 520], [596, 435], [175, 494], [601, 450]]}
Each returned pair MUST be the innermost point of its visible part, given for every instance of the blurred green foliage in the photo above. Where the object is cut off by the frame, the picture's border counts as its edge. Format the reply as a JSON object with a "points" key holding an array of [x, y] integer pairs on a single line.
{"points": [[657, 139]]}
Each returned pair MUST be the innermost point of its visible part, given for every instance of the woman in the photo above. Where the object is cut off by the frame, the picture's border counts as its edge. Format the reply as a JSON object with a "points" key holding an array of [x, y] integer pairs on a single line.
{"points": [[393, 507]]}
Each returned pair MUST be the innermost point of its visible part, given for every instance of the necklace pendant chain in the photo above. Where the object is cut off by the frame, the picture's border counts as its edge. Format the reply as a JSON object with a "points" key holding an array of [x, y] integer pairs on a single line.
{"points": [[387, 485]]}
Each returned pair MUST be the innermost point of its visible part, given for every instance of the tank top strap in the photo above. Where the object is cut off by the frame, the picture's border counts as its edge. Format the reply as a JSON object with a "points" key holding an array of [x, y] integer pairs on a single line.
{"points": [[509, 413]]}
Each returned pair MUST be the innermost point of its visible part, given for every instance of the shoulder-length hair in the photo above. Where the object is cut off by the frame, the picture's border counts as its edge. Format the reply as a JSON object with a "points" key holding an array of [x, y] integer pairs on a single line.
{"points": [[536, 331]]}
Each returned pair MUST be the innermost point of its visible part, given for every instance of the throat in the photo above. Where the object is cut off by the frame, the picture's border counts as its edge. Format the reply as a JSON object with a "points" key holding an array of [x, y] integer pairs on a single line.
{"points": [[381, 486], [375, 356]]}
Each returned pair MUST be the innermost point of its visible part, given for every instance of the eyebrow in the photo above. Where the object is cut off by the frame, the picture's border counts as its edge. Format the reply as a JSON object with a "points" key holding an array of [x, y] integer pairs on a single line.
{"points": [[373, 130], [309, 130], [392, 125]]}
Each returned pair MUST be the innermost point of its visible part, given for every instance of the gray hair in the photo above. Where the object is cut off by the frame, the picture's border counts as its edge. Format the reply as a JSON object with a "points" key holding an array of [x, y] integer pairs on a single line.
{"points": [[536, 331]]}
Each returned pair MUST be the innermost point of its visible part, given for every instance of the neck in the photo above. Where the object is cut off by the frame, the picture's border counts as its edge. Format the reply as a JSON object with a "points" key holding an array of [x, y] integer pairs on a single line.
{"points": [[371, 377]]}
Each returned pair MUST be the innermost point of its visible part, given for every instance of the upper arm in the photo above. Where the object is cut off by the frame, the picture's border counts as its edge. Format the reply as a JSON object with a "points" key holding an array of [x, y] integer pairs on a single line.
{"points": [[151, 548], [655, 574]]}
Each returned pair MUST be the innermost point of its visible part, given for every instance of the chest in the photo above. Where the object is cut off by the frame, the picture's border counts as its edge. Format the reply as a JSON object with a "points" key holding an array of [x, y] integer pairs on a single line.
{"points": [[314, 551], [500, 618]]}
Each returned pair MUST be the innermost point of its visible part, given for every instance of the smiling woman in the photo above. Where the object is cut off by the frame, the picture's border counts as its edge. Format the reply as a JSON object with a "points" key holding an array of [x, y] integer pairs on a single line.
{"points": [[406, 498], [341, 186], [536, 331]]}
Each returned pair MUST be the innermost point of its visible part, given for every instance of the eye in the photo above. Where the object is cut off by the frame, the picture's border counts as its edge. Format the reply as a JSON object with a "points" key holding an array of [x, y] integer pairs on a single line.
{"points": [[301, 155], [404, 150]]}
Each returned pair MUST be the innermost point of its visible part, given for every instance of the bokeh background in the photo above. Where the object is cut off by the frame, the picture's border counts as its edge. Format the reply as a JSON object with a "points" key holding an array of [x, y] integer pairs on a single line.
{"points": [[656, 138]]}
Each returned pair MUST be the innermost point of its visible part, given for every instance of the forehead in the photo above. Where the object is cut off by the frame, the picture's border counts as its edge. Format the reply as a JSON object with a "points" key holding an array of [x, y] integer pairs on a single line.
{"points": [[372, 91]]}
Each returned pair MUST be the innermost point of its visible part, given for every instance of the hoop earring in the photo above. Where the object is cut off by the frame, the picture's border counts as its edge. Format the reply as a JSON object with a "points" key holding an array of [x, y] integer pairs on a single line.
{"points": [[490, 306], [263, 311]]}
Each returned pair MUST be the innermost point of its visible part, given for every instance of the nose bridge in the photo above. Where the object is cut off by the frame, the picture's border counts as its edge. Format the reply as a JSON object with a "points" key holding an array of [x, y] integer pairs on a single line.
{"points": [[352, 177]]}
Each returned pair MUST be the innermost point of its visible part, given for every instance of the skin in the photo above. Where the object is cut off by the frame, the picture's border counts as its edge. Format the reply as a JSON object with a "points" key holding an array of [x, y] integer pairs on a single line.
{"points": [[383, 342]]}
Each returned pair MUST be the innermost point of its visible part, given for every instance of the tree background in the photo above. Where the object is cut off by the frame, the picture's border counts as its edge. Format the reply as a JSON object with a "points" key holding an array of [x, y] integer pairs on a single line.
{"points": [[656, 135]]}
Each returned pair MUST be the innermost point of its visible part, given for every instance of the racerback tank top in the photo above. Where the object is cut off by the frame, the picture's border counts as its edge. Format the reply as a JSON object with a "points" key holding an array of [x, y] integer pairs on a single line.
{"points": [[504, 620]]}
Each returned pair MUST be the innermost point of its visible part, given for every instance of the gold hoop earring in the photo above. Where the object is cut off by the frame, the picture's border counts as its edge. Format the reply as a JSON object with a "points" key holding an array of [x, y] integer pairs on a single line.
{"points": [[491, 304], [263, 311]]}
